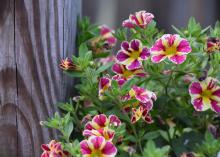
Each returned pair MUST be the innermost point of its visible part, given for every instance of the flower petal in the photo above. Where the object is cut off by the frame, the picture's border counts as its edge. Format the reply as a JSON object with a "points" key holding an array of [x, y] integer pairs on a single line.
{"points": [[122, 56], [134, 65], [198, 104], [158, 58], [84, 147], [114, 120], [117, 68], [145, 53], [135, 44], [184, 46], [195, 88], [178, 59], [109, 150], [215, 106], [99, 121]]}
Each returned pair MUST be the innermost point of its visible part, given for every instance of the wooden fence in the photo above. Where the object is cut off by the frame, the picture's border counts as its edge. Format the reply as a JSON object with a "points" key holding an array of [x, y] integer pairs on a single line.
{"points": [[34, 36]]}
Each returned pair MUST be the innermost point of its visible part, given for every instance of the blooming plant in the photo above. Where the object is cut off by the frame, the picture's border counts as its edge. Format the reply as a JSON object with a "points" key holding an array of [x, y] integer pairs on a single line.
{"points": [[141, 92]]}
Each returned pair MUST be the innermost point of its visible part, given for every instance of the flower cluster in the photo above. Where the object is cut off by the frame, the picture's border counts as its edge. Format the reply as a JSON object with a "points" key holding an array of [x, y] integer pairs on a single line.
{"points": [[143, 104], [100, 133], [53, 149], [144, 81]]}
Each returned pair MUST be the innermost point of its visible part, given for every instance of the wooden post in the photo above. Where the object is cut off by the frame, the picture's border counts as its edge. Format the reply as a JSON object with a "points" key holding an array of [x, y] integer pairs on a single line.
{"points": [[34, 36]]}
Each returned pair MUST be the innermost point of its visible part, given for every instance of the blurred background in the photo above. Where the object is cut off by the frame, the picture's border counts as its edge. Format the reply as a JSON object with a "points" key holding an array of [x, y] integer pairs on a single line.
{"points": [[166, 12]]}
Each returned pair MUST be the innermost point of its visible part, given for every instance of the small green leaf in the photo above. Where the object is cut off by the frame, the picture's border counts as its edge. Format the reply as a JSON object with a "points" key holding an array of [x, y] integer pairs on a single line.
{"points": [[83, 49], [104, 67]]}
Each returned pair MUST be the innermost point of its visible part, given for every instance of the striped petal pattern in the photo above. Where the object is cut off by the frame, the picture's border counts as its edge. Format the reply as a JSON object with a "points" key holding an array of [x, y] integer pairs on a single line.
{"points": [[132, 54], [97, 146], [172, 47], [140, 19], [205, 95], [53, 149]]}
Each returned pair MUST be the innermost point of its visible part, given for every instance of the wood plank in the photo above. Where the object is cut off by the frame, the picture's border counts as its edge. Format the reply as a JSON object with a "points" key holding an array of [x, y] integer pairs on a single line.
{"points": [[34, 36], [8, 91]]}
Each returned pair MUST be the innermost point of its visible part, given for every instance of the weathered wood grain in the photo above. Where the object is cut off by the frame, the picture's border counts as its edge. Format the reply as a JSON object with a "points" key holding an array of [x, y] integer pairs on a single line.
{"points": [[34, 36]]}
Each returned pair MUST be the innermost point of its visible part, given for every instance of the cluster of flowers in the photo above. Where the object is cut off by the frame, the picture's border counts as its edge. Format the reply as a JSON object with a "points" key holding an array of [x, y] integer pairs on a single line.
{"points": [[100, 133], [129, 64]]}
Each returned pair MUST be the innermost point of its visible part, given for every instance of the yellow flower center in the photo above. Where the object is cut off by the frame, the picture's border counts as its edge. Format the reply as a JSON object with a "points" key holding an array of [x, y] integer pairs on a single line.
{"points": [[170, 50], [96, 153], [206, 94], [127, 73], [135, 54], [132, 93]]}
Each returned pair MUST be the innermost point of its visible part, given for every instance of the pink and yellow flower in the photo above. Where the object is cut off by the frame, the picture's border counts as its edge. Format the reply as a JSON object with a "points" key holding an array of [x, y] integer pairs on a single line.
{"points": [[121, 70], [213, 44], [140, 19], [102, 126], [67, 64], [205, 94], [97, 146], [144, 96], [53, 149], [141, 112], [104, 85], [132, 54], [107, 35], [172, 47]]}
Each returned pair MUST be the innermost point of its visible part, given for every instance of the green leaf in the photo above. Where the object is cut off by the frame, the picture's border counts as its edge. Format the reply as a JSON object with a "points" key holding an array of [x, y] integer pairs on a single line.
{"points": [[68, 128], [151, 135], [178, 31], [73, 73], [104, 67], [83, 49]]}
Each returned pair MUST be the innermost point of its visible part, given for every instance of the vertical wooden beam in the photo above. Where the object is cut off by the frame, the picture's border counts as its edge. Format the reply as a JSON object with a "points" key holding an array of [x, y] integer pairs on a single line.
{"points": [[8, 91], [35, 35]]}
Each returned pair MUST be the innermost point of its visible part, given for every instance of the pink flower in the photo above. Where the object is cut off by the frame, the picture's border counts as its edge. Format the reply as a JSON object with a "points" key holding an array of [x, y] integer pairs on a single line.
{"points": [[53, 149], [205, 94], [140, 19], [145, 97], [141, 112], [104, 85], [132, 54], [67, 64], [121, 70], [97, 146], [142, 96], [172, 47], [213, 44], [101, 126], [107, 35]]}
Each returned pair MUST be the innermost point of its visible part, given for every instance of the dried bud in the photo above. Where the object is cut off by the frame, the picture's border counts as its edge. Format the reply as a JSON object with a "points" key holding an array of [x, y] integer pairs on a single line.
{"points": [[67, 64], [213, 44]]}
